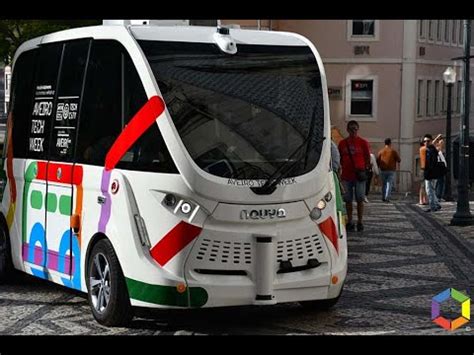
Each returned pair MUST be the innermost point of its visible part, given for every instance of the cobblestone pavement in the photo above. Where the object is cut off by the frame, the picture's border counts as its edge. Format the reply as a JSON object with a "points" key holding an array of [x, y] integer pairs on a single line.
{"points": [[403, 258]]}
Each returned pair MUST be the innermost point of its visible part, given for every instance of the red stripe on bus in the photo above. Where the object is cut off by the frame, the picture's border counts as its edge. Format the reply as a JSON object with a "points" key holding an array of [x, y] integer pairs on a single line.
{"points": [[173, 242], [328, 228], [64, 173], [142, 120], [41, 172]]}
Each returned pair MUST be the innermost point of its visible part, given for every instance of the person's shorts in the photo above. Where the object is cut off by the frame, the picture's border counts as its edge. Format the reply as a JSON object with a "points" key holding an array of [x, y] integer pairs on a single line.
{"points": [[351, 187]]}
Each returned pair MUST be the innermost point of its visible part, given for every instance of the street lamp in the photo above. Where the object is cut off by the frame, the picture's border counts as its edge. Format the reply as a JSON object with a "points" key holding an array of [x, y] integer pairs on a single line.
{"points": [[463, 216], [449, 77]]}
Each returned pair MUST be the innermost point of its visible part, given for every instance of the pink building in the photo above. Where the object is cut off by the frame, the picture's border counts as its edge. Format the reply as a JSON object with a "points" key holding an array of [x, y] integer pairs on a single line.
{"points": [[387, 75]]}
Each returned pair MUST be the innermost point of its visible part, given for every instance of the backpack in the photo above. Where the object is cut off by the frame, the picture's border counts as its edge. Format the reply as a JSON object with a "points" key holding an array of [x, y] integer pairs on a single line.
{"points": [[434, 168]]}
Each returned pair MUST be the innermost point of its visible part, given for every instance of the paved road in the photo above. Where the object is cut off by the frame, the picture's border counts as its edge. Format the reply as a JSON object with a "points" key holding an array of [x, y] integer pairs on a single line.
{"points": [[396, 266]]}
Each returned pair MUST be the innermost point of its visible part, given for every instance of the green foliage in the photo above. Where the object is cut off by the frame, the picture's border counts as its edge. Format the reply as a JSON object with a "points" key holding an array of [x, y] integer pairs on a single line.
{"points": [[14, 32]]}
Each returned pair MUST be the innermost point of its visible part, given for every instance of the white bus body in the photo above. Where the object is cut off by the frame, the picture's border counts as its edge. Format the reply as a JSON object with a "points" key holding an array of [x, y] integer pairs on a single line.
{"points": [[172, 167]]}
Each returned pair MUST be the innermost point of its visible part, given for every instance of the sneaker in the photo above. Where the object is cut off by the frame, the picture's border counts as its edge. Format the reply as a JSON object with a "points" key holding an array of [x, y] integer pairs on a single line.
{"points": [[350, 227], [366, 200], [360, 227], [437, 208]]}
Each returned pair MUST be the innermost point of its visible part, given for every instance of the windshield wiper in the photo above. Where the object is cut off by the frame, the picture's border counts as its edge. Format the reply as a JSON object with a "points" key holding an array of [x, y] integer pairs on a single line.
{"points": [[270, 185]]}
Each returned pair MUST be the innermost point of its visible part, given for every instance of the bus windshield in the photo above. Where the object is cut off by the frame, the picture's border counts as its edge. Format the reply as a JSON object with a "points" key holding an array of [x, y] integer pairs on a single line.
{"points": [[247, 115]]}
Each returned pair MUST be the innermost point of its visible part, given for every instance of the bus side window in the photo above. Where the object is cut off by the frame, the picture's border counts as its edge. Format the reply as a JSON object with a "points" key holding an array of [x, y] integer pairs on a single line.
{"points": [[149, 153], [45, 92], [21, 100], [101, 112], [68, 100]]}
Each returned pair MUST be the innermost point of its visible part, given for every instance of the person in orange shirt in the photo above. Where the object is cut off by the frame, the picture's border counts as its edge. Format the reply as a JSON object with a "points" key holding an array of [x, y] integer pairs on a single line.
{"points": [[387, 160]]}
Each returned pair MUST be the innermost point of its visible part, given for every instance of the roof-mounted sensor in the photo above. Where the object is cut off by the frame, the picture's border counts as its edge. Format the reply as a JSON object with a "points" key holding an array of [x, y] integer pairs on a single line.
{"points": [[224, 41]]}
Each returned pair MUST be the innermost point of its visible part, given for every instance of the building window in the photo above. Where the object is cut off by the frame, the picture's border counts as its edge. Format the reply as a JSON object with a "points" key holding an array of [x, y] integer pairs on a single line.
{"points": [[363, 30], [361, 97], [439, 27], [461, 33], [436, 98], [421, 29], [428, 98], [363, 27], [419, 101], [446, 30], [430, 30], [454, 31]]}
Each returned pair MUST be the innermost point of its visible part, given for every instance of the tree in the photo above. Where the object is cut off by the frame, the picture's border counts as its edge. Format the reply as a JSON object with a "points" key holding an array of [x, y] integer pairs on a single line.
{"points": [[14, 32]]}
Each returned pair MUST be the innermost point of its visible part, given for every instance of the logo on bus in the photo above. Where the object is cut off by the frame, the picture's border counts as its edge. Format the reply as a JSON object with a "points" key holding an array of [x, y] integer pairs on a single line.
{"points": [[269, 213]]}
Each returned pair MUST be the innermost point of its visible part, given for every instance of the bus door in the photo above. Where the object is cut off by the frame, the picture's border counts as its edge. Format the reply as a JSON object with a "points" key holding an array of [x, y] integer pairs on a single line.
{"points": [[65, 177], [36, 199]]}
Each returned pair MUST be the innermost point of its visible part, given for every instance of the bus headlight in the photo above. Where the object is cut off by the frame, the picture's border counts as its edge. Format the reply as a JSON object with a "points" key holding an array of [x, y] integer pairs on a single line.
{"points": [[317, 211], [321, 205]]}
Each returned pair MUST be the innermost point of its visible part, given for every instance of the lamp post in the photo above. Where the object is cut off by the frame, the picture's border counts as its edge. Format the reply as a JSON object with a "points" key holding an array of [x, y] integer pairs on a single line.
{"points": [[463, 216], [449, 77]]}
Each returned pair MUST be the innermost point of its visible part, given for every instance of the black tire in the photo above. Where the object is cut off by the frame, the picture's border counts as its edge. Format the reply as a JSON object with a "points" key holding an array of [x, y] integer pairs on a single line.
{"points": [[321, 305], [6, 265], [117, 310]]}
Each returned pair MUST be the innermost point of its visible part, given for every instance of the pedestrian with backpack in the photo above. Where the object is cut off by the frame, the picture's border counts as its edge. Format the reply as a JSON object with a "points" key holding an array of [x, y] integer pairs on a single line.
{"points": [[431, 172]]}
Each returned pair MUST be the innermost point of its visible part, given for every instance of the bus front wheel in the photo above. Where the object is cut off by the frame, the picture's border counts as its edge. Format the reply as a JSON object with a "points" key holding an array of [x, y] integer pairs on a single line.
{"points": [[107, 291], [6, 265]]}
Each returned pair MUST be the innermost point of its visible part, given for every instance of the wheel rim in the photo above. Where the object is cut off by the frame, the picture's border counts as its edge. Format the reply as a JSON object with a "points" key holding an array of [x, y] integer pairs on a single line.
{"points": [[99, 281]]}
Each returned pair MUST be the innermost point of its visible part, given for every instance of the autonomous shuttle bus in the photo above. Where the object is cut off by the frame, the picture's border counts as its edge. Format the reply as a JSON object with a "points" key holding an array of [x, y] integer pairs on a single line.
{"points": [[172, 167]]}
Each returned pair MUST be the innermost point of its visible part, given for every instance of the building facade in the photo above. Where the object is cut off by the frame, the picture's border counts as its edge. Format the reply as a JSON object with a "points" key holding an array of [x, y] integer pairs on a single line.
{"points": [[2, 92], [387, 75]]}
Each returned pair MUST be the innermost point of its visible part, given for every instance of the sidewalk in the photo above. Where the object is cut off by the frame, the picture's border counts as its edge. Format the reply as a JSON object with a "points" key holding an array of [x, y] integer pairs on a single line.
{"points": [[402, 259], [443, 217]]}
